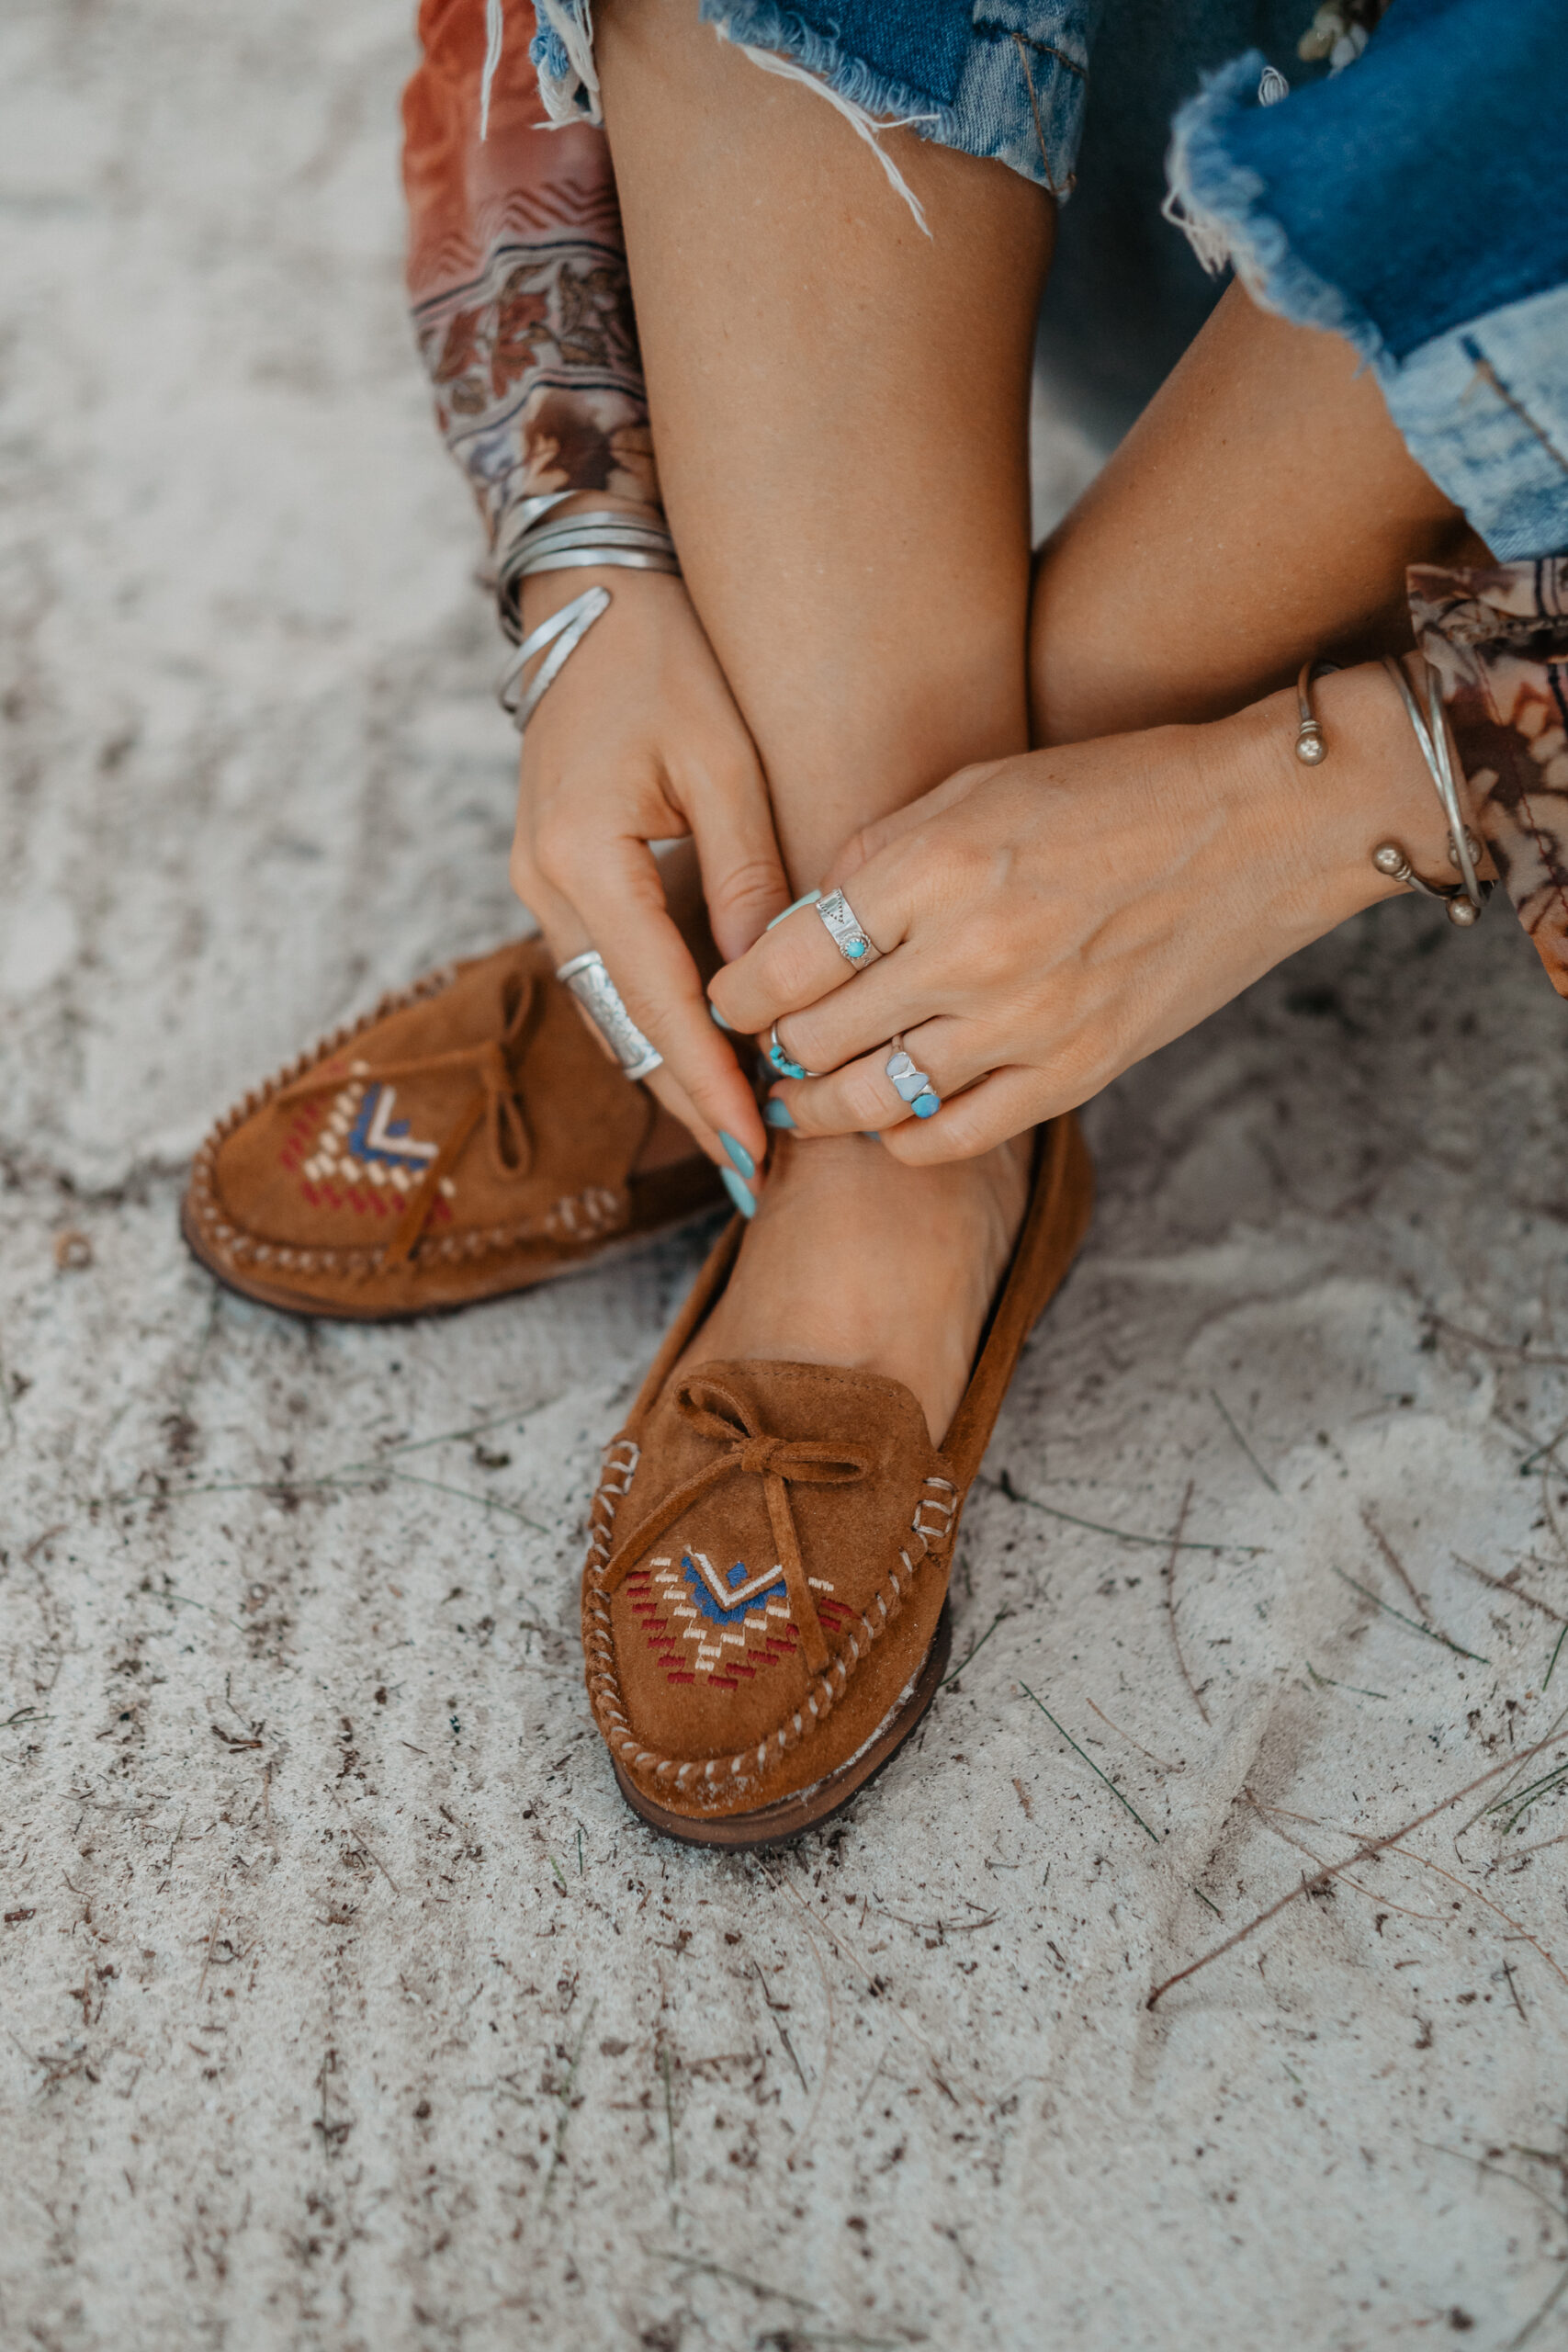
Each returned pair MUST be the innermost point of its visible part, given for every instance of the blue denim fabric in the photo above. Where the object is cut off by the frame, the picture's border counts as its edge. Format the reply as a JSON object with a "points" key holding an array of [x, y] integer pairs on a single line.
{"points": [[1418, 204]]}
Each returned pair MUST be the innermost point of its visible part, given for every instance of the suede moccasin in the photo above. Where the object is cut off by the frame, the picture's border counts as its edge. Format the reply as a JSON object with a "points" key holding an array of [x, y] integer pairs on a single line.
{"points": [[467, 1138], [764, 1614]]}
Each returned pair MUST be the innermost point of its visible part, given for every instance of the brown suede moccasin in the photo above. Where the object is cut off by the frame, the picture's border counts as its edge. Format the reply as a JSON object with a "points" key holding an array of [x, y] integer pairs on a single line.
{"points": [[465, 1139], [764, 1613]]}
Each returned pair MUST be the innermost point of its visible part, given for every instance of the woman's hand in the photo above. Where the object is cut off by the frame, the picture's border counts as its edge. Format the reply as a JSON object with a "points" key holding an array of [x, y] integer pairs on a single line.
{"points": [[638, 740], [1048, 919]]}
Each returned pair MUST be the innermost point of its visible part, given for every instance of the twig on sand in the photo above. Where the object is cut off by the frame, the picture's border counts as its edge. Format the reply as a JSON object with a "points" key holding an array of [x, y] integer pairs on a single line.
{"points": [[1096, 1527], [1364, 1853], [1170, 1604], [1093, 1766], [1430, 1632], [1512, 1591], [558, 2155], [736, 2277], [1493, 1347], [1225, 1416], [874, 1984], [668, 2105], [979, 1645], [1157, 1762], [1369, 1522]]}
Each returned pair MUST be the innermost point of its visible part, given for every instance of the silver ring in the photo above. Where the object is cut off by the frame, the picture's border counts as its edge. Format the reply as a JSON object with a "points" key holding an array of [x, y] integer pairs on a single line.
{"points": [[846, 930], [911, 1085], [601, 1000]]}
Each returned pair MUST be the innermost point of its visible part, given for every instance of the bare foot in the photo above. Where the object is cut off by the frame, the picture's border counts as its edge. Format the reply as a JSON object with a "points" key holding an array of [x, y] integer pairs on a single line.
{"points": [[853, 1259]]}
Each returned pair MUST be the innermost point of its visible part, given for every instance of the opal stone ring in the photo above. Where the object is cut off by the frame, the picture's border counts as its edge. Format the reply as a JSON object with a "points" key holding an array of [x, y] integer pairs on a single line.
{"points": [[911, 1085], [843, 928]]}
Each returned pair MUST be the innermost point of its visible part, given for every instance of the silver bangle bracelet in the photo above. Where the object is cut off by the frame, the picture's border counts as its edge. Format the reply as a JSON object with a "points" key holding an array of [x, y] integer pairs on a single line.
{"points": [[1463, 901], [598, 539]]}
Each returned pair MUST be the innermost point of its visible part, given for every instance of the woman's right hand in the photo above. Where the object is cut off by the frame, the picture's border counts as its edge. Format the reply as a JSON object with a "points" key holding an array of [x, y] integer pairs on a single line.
{"points": [[638, 740]]}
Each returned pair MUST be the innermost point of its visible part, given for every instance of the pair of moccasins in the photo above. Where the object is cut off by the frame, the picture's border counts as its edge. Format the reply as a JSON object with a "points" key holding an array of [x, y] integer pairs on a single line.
{"points": [[764, 1602]]}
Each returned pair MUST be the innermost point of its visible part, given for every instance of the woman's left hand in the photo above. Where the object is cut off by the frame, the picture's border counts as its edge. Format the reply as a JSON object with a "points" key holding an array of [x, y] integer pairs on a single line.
{"points": [[1046, 920]]}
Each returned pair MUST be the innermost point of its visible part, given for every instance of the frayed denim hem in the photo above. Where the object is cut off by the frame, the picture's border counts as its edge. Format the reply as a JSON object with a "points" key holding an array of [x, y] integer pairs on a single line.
{"points": [[1481, 408], [1217, 204], [1019, 99]]}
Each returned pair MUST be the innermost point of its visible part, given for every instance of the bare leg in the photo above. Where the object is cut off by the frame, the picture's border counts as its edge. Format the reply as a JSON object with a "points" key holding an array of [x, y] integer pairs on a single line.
{"points": [[1262, 510], [839, 406]]}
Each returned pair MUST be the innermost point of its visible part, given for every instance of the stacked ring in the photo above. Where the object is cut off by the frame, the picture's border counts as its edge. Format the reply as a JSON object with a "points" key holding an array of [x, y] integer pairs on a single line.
{"points": [[911, 1085], [845, 930], [781, 1058]]}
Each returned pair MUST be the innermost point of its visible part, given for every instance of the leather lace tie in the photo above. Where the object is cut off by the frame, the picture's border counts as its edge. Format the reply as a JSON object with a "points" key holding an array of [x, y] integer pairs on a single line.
{"points": [[779, 1462], [494, 1100]]}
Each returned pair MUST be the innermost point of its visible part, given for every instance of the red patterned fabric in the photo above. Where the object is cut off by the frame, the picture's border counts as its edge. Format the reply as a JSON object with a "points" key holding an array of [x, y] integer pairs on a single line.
{"points": [[517, 276], [1499, 640]]}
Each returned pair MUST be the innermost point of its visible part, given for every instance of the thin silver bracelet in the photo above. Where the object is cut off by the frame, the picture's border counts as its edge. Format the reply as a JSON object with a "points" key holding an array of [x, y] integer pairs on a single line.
{"points": [[1461, 901], [596, 539]]}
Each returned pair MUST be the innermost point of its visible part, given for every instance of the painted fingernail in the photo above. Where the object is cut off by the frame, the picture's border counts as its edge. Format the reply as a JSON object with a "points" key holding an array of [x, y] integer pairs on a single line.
{"points": [[738, 1155], [718, 1020], [738, 1192], [777, 1114], [809, 900]]}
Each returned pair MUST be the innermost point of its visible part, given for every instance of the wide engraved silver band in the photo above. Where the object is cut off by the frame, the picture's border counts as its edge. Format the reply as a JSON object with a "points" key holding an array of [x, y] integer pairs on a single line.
{"points": [[597, 994], [847, 932]]}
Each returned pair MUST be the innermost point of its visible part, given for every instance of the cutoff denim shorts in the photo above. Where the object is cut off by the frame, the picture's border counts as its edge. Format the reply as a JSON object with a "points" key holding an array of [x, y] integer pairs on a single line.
{"points": [[1410, 192]]}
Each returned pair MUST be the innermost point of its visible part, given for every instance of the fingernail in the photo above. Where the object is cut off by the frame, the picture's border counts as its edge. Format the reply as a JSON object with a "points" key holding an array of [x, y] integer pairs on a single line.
{"points": [[719, 1019], [809, 900], [738, 1155], [737, 1193], [777, 1114]]}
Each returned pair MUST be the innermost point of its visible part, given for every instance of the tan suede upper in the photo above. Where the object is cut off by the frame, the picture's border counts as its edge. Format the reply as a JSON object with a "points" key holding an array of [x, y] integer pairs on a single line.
{"points": [[468, 1139], [771, 1543]]}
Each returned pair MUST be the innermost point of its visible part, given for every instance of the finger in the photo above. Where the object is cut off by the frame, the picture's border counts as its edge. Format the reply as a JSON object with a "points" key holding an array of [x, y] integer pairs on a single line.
{"points": [[744, 882], [799, 961], [624, 910], [1003, 1104], [862, 1098]]}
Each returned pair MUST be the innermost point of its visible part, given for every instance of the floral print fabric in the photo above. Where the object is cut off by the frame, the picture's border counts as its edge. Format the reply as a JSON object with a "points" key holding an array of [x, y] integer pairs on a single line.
{"points": [[1499, 642], [517, 276]]}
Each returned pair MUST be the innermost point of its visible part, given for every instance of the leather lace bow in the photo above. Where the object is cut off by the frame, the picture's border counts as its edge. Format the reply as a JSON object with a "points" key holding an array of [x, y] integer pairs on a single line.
{"points": [[717, 1412], [494, 1100]]}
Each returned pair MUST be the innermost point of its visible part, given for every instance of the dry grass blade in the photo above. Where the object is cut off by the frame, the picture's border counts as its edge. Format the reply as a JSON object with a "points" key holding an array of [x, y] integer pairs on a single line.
{"points": [[1122, 1534], [1415, 1625], [1363, 1853], [1093, 1766], [1393, 1559], [1170, 1604], [1513, 1591]]}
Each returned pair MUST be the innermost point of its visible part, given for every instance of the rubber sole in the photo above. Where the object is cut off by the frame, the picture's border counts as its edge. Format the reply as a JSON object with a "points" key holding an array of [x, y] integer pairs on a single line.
{"points": [[746, 1832]]}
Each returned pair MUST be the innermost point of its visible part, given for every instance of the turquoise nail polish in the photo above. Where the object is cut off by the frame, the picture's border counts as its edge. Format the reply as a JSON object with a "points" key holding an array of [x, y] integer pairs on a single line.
{"points": [[777, 1114], [926, 1107], [718, 1020], [737, 1193], [738, 1155], [809, 900]]}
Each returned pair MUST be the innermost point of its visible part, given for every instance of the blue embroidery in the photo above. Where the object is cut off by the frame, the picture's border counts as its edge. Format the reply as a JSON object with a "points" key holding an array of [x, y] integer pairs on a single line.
{"points": [[370, 1138], [709, 1606]]}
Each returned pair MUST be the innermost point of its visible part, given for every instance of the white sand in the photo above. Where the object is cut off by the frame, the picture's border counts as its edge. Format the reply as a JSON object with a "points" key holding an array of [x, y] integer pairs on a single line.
{"points": [[343, 2004]]}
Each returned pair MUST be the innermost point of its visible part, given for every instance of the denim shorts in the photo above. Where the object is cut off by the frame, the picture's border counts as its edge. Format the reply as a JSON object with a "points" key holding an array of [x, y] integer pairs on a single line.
{"points": [[1409, 191]]}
